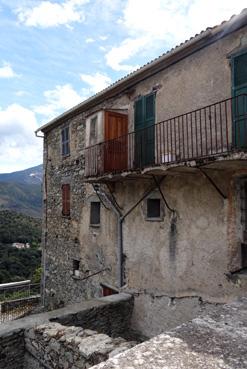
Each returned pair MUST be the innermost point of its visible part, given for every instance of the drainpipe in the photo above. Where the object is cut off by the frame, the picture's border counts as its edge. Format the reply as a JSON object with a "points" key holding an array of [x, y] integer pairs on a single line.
{"points": [[100, 192], [43, 279]]}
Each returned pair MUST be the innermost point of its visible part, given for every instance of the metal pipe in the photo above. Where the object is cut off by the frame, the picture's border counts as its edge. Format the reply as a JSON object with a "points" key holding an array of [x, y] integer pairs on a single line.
{"points": [[120, 219], [162, 195], [118, 213], [213, 183]]}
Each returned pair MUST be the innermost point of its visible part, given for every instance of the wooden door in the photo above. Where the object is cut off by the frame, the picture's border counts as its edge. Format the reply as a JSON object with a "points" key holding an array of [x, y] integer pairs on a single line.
{"points": [[144, 131], [116, 142], [239, 92]]}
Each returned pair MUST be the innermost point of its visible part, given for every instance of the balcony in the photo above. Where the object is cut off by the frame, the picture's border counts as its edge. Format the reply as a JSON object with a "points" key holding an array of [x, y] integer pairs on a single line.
{"points": [[214, 130]]}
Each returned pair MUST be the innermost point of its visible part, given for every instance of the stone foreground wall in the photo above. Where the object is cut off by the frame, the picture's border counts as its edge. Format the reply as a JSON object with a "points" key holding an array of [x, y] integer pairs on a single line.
{"points": [[108, 314], [12, 349], [55, 346]]}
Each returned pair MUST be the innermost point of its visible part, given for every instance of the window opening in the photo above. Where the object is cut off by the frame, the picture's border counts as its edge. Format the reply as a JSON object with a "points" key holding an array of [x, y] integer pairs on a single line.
{"points": [[95, 213], [65, 141], [76, 267], [153, 208], [66, 199], [108, 291]]}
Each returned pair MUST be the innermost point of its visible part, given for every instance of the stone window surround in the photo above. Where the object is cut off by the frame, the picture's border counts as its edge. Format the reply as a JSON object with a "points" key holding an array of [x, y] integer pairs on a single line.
{"points": [[66, 126], [153, 195]]}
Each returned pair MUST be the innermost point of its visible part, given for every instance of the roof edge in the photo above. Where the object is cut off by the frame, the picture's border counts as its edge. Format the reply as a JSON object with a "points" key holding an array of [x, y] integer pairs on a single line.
{"points": [[199, 41]]}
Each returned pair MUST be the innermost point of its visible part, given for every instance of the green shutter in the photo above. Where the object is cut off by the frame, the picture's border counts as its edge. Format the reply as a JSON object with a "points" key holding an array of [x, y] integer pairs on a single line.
{"points": [[144, 125], [149, 108], [239, 104], [240, 70], [139, 118]]}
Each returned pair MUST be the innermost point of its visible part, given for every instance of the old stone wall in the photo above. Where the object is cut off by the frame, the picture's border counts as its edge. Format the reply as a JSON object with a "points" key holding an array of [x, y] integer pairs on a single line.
{"points": [[12, 349], [55, 346], [114, 320]]}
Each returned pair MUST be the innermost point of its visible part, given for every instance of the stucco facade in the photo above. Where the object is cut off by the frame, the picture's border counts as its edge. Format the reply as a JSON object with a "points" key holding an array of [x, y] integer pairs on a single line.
{"points": [[179, 264]]}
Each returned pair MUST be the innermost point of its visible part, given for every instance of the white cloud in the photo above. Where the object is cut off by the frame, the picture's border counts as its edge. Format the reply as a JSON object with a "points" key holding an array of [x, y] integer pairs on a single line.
{"points": [[127, 49], [21, 93], [103, 38], [19, 148], [165, 23], [6, 71], [58, 100], [51, 14], [96, 82], [89, 40]]}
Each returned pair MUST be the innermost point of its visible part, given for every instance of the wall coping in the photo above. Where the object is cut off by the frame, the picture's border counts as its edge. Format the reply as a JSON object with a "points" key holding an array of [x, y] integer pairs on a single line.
{"points": [[217, 340], [29, 321]]}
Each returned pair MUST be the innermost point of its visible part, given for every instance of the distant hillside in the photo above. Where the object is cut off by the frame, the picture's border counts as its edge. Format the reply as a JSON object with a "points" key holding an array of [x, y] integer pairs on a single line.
{"points": [[22, 191], [16, 227], [16, 265], [29, 176]]}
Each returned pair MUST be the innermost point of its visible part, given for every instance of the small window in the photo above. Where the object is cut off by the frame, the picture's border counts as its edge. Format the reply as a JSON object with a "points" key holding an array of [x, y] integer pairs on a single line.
{"points": [[95, 213], [153, 208], [66, 199], [76, 267], [93, 128], [65, 141]]}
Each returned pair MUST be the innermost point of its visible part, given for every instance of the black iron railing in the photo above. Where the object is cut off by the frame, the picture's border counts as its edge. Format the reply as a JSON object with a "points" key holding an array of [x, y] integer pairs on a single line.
{"points": [[212, 130]]}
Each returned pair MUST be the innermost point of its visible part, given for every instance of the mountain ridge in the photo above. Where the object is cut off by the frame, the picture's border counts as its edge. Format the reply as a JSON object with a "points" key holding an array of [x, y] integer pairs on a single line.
{"points": [[31, 175], [21, 191]]}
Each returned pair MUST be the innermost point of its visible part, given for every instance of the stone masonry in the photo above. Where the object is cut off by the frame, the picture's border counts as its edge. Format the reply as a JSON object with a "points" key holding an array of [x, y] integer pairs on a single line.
{"points": [[56, 346], [108, 316]]}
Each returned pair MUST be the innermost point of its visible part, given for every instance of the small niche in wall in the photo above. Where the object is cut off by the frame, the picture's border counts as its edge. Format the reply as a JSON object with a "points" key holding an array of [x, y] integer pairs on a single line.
{"points": [[76, 267]]}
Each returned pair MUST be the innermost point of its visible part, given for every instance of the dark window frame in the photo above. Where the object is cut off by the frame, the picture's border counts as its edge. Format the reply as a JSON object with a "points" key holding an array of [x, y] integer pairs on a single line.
{"points": [[151, 210], [65, 141], [95, 218]]}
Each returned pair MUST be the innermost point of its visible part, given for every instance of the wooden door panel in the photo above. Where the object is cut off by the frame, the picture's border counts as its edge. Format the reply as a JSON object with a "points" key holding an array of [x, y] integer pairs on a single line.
{"points": [[115, 148]]}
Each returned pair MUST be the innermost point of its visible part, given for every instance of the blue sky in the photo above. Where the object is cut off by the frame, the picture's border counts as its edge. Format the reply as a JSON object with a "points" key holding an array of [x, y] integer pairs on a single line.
{"points": [[54, 54]]}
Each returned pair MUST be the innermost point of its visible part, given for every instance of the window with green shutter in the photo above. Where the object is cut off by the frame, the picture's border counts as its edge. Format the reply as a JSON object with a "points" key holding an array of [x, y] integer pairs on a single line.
{"points": [[239, 93], [144, 127], [65, 141]]}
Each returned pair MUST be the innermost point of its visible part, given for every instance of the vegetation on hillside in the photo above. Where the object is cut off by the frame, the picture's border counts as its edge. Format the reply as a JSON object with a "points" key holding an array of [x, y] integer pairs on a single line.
{"points": [[15, 264], [15, 227], [18, 265]]}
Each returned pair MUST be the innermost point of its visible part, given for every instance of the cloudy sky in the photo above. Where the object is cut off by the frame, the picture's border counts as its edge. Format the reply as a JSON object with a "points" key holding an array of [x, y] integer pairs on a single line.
{"points": [[56, 53]]}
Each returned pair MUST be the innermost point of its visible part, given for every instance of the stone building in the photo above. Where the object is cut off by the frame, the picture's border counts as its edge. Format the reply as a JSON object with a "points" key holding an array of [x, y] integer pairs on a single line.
{"points": [[145, 185]]}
